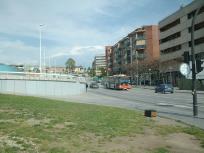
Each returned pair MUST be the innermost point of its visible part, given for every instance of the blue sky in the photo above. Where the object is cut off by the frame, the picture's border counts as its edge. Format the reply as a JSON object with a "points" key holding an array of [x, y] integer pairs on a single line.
{"points": [[79, 29]]}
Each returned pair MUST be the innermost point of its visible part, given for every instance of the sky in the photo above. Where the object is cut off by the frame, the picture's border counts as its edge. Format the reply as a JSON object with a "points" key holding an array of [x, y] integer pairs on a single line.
{"points": [[78, 29]]}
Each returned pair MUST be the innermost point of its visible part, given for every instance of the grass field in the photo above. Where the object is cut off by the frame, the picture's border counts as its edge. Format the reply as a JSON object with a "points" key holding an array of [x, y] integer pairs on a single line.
{"points": [[30, 124]]}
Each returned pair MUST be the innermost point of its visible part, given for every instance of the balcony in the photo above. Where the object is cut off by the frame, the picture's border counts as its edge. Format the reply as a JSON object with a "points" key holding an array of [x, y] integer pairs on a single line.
{"points": [[140, 47]]}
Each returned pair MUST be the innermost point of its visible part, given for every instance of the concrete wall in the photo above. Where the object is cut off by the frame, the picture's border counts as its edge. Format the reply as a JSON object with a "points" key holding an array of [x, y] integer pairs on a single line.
{"points": [[41, 88]]}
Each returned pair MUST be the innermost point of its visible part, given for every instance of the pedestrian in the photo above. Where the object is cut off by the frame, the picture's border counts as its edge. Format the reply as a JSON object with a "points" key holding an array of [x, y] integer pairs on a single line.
{"points": [[86, 87]]}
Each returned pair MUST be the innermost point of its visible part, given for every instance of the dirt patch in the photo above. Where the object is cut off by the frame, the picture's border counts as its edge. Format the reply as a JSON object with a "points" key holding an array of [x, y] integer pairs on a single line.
{"points": [[183, 143], [5, 140], [18, 142], [33, 121], [166, 121], [69, 124], [64, 125], [59, 126], [176, 143], [6, 110]]}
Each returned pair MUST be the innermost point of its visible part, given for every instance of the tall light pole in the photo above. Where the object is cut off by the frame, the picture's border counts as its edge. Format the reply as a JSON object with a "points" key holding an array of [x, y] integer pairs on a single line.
{"points": [[41, 25], [131, 53], [150, 78], [170, 72], [194, 93], [137, 67], [44, 64]]}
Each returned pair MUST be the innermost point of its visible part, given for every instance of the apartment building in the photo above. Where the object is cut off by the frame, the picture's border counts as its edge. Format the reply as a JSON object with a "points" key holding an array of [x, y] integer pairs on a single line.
{"points": [[109, 59], [139, 45], [98, 63], [175, 39]]}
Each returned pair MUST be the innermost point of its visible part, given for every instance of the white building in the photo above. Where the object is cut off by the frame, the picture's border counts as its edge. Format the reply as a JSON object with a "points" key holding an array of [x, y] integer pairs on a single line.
{"points": [[98, 63]]}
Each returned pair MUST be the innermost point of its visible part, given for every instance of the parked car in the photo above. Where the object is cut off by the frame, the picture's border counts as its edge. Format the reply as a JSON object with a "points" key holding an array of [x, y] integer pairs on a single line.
{"points": [[164, 88], [94, 85]]}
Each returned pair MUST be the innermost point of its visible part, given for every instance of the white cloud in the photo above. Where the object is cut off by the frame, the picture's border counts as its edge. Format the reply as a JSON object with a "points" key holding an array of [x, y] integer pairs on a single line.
{"points": [[78, 28], [16, 52]]}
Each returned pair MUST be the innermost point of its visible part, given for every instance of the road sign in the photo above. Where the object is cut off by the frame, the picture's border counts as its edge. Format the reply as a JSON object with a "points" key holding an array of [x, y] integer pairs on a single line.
{"points": [[185, 69]]}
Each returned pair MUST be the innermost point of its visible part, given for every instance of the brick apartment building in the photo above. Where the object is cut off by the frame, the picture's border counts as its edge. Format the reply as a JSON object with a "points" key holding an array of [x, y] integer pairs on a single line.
{"points": [[141, 44], [109, 59]]}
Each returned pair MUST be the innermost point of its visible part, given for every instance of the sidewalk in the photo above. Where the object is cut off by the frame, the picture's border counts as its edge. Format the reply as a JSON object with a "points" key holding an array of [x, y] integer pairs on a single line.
{"points": [[175, 89]]}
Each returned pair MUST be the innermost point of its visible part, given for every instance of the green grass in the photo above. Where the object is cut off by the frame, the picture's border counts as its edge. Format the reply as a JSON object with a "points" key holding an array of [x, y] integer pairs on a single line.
{"points": [[66, 122], [33, 124]]}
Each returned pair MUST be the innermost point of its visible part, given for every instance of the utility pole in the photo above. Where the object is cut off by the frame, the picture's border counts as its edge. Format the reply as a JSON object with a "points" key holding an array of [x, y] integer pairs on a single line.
{"points": [[194, 93], [44, 64], [137, 67], [41, 25], [131, 47]]}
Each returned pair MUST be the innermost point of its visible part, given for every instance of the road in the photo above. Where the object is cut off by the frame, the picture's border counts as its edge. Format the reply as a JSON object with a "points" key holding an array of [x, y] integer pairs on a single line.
{"points": [[176, 106]]}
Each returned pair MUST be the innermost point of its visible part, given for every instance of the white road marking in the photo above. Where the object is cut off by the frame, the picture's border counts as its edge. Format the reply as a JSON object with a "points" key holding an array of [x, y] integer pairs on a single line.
{"points": [[182, 106]]}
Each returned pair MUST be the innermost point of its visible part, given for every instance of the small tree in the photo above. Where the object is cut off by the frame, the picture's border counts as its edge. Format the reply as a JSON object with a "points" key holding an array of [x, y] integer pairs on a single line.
{"points": [[70, 64], [91, 72], [103, 71]]}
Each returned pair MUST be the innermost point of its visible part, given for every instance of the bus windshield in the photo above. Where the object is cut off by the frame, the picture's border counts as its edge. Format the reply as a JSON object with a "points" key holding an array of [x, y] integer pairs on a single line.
{"points": [[124, 80]]}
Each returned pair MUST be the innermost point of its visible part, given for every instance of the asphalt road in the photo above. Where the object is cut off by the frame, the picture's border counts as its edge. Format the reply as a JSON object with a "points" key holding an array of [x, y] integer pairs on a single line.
{"points": [[176, 106]]}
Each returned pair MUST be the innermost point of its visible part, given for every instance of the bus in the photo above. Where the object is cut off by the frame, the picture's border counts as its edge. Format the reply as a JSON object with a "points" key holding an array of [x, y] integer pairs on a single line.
{"points": [[120, 82]]}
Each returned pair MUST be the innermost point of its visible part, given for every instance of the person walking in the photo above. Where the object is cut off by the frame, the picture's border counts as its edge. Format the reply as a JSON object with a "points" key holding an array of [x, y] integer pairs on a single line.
{"points": [[86, 87]]}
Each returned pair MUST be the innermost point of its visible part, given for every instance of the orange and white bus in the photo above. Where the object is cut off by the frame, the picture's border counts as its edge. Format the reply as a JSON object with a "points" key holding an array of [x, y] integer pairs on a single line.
{"points": [[120, 82]]}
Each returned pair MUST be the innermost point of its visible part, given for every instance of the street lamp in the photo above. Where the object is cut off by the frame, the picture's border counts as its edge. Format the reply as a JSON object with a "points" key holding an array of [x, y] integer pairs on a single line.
{"points": [[150, 79], [131, 52], [194, 93], [137, 67], [170, 71], [41, 25]]}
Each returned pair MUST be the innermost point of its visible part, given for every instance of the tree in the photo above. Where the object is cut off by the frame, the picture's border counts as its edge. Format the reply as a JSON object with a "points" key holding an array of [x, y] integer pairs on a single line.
{"points": [[70, 64], [103, 72], [91, 72]]}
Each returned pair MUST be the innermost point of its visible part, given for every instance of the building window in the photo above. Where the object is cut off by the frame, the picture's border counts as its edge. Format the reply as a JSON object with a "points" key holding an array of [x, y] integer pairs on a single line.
{"points": [[171, 49], [140, 36], [191, 14], [171, 37], [197, 26], [197, 41], [170, 25]]}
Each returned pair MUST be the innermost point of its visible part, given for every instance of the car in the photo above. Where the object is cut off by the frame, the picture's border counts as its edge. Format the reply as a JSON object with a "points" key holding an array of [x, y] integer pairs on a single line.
{"points": [[94, 85], [164, 88]]}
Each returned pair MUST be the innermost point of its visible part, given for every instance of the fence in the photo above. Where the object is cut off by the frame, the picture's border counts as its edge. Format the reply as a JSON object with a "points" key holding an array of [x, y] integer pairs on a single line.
{"points": [[36, 84]]}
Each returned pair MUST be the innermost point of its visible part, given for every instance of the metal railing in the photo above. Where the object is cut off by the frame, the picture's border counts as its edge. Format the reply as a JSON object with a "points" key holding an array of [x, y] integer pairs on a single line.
{"points": [[41, 76]]}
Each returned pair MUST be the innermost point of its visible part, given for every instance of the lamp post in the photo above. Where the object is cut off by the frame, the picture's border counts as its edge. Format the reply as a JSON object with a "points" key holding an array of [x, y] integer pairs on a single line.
{"points": [[194, 93], [150, 78], [131, 48], [137, 68], [170, 71], [44, 63], [41, 25]]}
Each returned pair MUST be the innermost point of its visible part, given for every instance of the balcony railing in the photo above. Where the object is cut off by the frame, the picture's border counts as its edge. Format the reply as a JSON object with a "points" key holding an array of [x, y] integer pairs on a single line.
{"points": [[140, 47]]}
